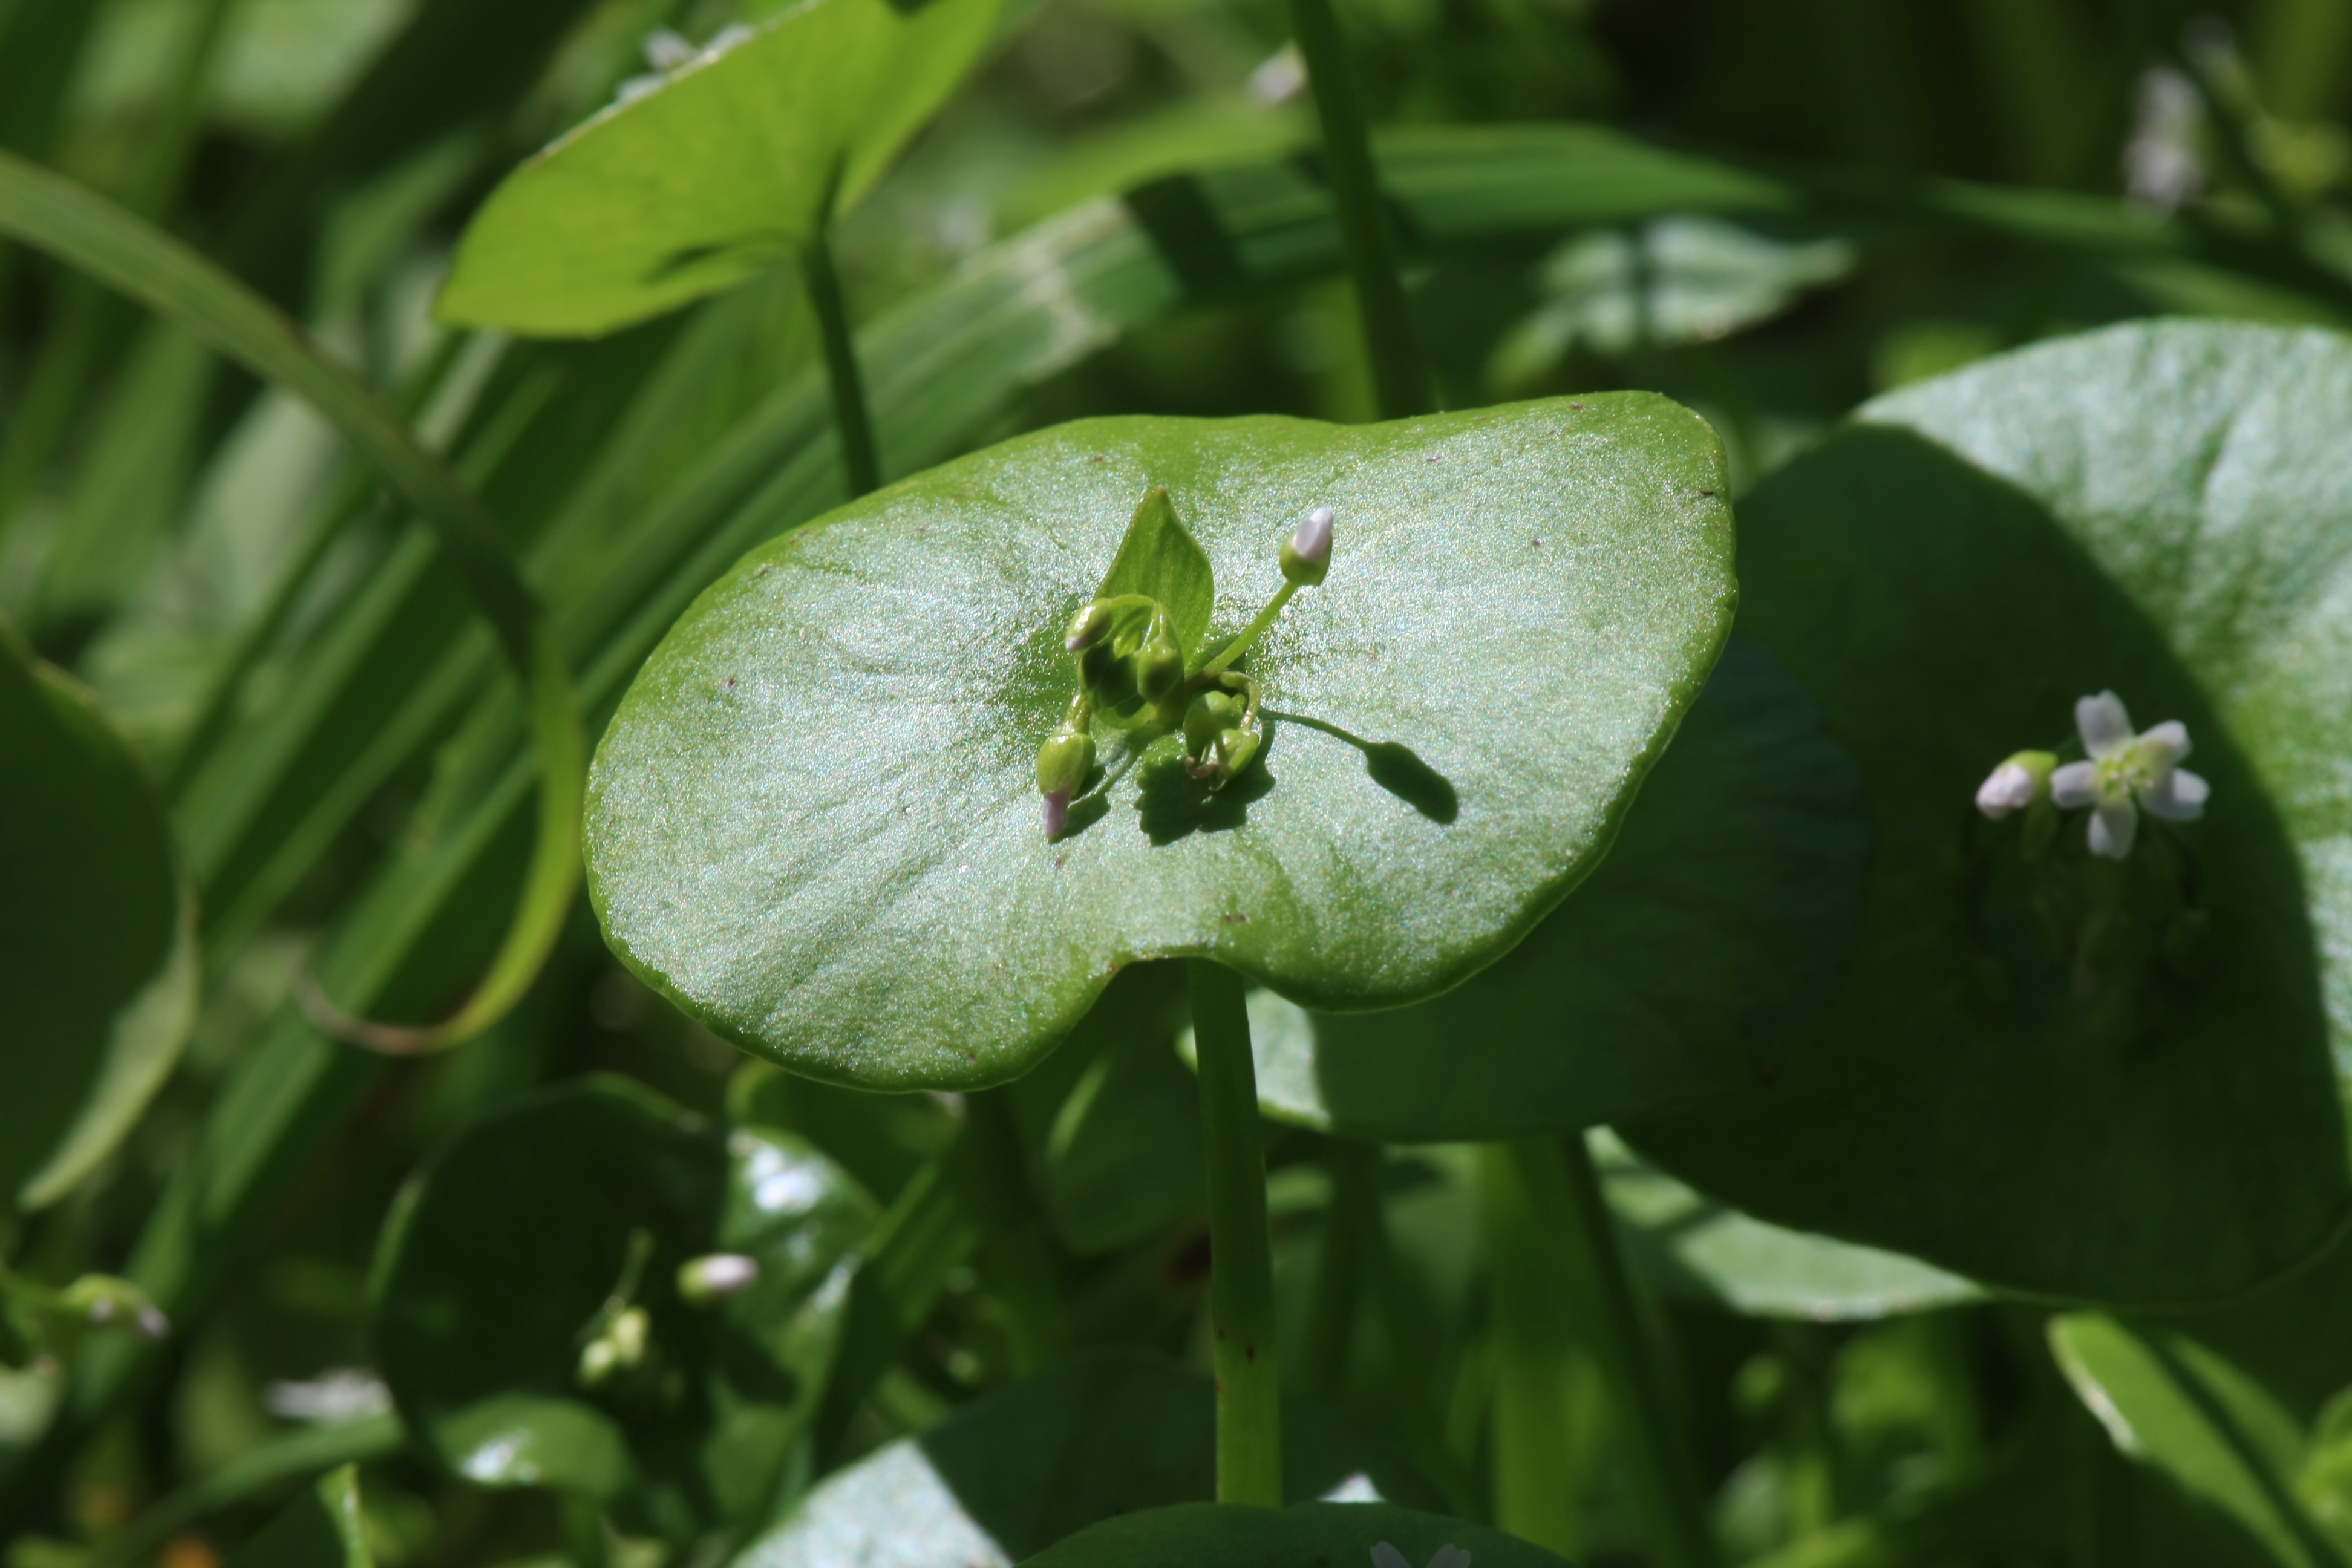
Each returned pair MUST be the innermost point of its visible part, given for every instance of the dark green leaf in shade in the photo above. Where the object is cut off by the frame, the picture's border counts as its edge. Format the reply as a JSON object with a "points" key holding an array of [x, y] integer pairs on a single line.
{"points": [[98, 946], [1304, 1535], [322, 1528], [1691, 1247], [816, 824], [1011, 1474], [499, 1261], [1711, 934], [2171, 1404], [727, 166], [2154, 509]]}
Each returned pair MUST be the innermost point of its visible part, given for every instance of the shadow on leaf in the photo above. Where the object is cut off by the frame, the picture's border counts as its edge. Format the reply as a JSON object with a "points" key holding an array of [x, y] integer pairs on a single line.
{"points": [[1395, 767]]}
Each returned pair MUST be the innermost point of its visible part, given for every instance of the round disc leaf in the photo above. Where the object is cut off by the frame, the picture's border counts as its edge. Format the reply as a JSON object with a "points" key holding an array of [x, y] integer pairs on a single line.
{"points": [[732, 163], [814, 821], [2154, 509], [98, 948], [516, 1244], [1715, 929]]}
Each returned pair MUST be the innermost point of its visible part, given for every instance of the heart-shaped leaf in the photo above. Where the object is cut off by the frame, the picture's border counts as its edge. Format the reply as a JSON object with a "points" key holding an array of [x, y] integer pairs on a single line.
{"points": [[1009, 1475], [814, 821], [515, 1252], [2152, 509], [1339, 1535], [97, 947], [1713, 932], [727, 164]]}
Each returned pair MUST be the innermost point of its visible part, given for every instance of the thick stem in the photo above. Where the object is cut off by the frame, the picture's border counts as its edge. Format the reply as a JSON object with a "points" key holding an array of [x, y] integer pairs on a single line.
{"points": [[1563, 1193], [1535, 1466], [1241, 1283], [1399, 378], [861, 470]]}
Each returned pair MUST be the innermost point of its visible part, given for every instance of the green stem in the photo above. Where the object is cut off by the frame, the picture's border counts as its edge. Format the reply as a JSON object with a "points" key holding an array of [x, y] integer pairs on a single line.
{"points": [[1251, 633], [1534, 1451], [1241, 1282], [1563, 1194], [860, 468], [1340, 1273], [1399, 379]]}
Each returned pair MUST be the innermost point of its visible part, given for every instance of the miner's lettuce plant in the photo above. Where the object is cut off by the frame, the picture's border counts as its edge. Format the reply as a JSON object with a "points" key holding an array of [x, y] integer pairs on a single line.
{"points": [[1205, 942]]}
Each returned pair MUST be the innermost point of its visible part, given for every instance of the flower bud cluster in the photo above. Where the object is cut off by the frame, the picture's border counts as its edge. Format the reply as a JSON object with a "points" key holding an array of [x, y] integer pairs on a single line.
{"points": [[1133, 673]]}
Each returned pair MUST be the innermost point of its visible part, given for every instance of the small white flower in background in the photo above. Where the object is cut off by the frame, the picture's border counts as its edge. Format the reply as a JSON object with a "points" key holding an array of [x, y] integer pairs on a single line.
{"points": [[2126, 773], [1449, 1556], [666, 50], [716, 1276], [1279, 78], [2015, 784], [345, 1394]]}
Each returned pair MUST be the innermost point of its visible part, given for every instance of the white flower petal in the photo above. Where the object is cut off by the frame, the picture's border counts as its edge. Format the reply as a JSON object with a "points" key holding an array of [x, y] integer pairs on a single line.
{"points": [[2179, 796], [2106, 729], [2113, 828], [2009, 788], [2162, 745], [2072, 786]]}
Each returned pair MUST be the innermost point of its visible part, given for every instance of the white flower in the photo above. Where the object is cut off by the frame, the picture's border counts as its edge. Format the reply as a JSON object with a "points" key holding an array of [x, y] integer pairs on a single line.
{"points": [[2015, 784], [716, 1276], [2126, 773]]}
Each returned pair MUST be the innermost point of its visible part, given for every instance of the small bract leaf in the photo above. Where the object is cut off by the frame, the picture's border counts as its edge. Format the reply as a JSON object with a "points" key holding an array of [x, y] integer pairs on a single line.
{"points": [[2155, 511], [97, 945], [1714, 930], [1342, 1534], [515, 1252], [1160, 559], [1009, 1475], [813, 820], [727, 166]]}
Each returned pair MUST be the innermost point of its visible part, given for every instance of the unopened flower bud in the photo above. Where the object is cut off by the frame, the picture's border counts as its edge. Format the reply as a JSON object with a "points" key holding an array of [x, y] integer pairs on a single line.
{"points": [[2016, 784], [103, 1302], [716, 1277], [1065, 762], [1159, 663], [1307, 556], [1211, 715], [1088, 627], [619, 1349]]}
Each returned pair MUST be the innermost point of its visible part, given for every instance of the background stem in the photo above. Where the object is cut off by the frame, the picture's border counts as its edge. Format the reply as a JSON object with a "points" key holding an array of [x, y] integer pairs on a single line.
{"points": [[1399, 378], [1341, 1270], [1241, 1281], [1536, 1472], [1563, 1194], [861, 470]]}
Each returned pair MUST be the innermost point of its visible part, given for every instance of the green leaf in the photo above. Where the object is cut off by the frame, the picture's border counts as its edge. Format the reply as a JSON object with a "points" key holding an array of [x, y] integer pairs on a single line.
{"points": [[504, 1255], [1689, 1245], [1713, 932], [1160, 559], [1340, 1534], [735, 161], [98, 964], [2148, 509], [2169, 1403], [816, 824], [1011, 1474], [322, 1528]]}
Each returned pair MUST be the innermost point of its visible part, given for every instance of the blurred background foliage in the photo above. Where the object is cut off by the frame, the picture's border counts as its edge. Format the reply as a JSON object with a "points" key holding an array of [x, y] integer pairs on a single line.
{"points": [[1928, 182]]}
